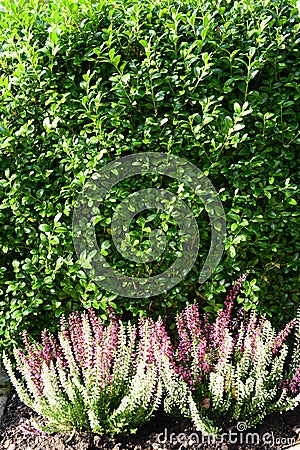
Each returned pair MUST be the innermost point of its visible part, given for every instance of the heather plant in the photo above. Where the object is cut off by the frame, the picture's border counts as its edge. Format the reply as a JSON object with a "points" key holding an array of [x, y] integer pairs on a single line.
{"points": [[96, 377], [238, 368]]}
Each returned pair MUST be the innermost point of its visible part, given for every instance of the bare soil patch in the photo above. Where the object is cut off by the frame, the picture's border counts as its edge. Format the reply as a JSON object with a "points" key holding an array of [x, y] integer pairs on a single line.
{"points": [[278, 431]]}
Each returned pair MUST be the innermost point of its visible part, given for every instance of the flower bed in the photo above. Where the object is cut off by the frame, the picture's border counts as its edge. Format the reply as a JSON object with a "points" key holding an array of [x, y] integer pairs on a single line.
{"points": [[110, 379]]}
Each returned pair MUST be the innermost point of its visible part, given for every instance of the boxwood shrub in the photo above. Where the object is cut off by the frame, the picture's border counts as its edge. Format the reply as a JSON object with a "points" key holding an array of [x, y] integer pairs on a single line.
{"points": [[84, 83]]}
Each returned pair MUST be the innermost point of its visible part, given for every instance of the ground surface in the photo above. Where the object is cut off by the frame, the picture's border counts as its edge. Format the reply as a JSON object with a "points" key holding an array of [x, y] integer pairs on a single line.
{"points": [[276, 432]]}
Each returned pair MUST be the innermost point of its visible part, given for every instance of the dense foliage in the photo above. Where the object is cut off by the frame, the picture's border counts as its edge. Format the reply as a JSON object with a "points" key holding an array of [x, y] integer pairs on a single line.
{"points": [[85, 82]]}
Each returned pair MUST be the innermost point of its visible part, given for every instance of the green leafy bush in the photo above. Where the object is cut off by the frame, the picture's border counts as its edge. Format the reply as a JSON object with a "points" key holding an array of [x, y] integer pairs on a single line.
{"points": [[99, 378], [81, 84]]}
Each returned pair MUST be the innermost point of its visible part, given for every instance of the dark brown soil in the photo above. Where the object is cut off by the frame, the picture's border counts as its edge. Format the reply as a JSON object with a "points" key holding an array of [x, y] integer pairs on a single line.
{"points": [[276, 432]]}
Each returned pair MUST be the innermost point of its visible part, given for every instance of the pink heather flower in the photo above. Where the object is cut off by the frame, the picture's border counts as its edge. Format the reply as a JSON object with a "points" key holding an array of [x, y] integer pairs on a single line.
{"points": [[232, 295], [103, 344], [148, 341], [252, 329], [193, 348], [293, 385], [224, 323], [35, 367], [278, 341], [33, 358], [165, 346], [107, 353], [76, 337], [202, 356], [203, 346], [221, 326], [190, 327]]}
